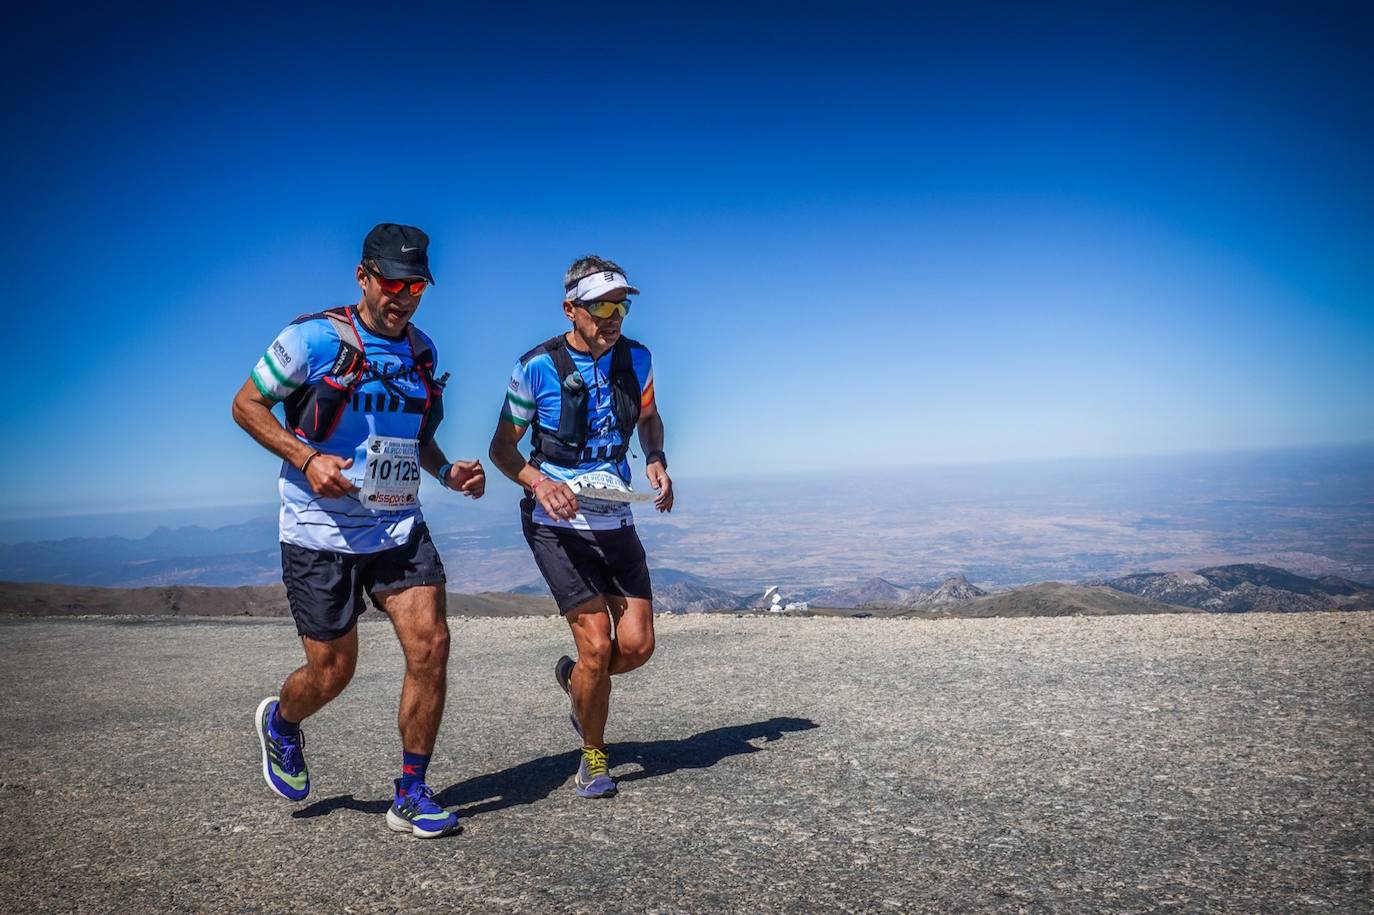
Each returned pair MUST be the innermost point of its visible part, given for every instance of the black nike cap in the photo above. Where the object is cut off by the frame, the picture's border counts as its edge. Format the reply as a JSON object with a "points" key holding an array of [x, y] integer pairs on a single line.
{"points": [[400, 251]]}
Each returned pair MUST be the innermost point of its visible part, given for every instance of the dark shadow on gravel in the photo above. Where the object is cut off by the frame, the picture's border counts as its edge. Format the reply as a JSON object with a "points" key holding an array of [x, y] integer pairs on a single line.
{"points": [[536, 779], [663, 757], [328, 805]]}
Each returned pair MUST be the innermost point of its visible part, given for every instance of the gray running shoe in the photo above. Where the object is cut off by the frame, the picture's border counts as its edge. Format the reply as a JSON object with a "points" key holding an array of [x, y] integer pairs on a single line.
{"points": [[562, 672], [593, 779]]}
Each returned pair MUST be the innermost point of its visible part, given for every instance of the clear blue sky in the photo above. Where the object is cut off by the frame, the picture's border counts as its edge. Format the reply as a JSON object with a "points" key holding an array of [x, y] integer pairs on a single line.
{"points": [[865, 237]]}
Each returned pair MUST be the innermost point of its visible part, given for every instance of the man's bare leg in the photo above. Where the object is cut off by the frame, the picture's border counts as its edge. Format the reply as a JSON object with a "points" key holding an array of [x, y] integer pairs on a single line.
{"points": [[328, 668], [591, 679], [418, 616], [601, 654]]}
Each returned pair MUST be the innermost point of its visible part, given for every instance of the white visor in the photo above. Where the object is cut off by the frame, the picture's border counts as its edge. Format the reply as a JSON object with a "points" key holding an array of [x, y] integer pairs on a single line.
{"points": [[598, 284]]}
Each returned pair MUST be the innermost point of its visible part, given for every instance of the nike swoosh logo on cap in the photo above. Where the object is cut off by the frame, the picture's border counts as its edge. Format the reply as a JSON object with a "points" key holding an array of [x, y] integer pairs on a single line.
{"points": [[405, 250]]}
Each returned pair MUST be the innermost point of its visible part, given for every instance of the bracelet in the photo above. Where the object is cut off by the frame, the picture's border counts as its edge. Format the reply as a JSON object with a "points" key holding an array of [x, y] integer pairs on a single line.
{"points": [[534, 487], [656, 455], [443, 475], [313, 455]]}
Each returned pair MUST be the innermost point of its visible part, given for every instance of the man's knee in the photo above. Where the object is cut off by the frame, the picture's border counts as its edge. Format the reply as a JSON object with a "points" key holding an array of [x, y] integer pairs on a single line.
{"points": [[634, 649], [333, 673], [594, 652], [427, 650]]}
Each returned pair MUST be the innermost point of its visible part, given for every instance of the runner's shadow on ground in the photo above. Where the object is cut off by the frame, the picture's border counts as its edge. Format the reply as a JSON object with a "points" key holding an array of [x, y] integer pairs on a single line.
{"points": [[536, 779]]}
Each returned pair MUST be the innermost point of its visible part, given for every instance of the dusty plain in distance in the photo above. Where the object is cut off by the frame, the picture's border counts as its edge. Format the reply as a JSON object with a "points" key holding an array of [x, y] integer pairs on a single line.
{"points": [[1188, 763]]}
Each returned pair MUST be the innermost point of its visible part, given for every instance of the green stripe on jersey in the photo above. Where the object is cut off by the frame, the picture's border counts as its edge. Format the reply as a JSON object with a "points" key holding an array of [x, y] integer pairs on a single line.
{"points": [[519, 401], [510, 417], [276, 372], [270, 395]]}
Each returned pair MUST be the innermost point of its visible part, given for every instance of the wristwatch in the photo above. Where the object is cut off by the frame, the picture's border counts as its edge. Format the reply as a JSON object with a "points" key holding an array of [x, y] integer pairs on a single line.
{"points": [[656, 455]]}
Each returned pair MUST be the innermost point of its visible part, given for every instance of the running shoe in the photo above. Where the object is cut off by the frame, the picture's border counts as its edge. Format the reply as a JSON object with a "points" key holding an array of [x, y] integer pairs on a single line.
{"points": [[562, 672], [283, 758], [416, 812], [593, 779]]}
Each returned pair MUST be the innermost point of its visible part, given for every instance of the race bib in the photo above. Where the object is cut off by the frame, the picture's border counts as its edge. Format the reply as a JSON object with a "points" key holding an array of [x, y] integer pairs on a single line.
{"points": [[602, 484], [391, 476]]}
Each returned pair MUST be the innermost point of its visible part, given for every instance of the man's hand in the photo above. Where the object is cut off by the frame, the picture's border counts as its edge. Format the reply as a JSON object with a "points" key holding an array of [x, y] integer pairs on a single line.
{"points": [[659, 479], [557, 498], [325, 477], [468, 477]]}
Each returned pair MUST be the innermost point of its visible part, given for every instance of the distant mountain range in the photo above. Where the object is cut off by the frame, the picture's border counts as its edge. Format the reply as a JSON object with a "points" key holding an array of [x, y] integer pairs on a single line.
{"points": [[27, 599], [1221, 589], [236, 554], [1245, 588], [881, 594], [1049, 598]]}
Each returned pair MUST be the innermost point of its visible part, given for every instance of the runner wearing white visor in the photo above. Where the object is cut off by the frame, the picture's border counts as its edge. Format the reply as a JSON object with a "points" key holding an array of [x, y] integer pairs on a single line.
{"points": [[583, 394]]}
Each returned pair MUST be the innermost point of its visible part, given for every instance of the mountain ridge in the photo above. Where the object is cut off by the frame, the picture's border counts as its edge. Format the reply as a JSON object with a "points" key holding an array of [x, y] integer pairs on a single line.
{"points": [[1253, 588]]}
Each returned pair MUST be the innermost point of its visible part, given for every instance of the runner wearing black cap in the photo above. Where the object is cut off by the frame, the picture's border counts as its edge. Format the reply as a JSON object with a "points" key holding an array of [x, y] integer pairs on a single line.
{"points": [[361, 402], [583, 394]]}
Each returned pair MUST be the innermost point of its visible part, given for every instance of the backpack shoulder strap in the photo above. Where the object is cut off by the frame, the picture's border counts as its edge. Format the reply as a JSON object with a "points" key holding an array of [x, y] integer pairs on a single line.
{"points": [[352, 356], [572, 394], [420, 350], [625, 387]]}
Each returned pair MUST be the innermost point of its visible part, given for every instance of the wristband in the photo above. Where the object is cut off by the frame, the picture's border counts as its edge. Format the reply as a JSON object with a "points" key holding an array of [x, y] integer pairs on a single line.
{"points": [[443, 475], [534, 487], [313, 455], [656, 455]]}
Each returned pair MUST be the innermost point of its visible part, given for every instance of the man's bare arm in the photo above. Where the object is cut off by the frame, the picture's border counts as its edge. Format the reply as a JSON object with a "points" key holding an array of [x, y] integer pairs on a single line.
{"points": [[651, 440], [253, 412], [556, 498]]}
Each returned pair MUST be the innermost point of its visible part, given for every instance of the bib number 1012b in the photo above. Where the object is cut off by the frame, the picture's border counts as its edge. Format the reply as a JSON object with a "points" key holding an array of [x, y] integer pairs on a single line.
{"points": [[391, 476], [404, 471]]}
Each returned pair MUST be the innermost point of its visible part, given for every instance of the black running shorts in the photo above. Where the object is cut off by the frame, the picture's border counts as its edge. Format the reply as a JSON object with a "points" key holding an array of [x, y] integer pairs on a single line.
{"points": [[325, 589], [580, 565]]}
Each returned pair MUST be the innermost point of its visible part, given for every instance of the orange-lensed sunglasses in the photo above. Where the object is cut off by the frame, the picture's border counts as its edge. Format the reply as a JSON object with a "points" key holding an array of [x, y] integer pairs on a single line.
{"points": [[414, 287]]}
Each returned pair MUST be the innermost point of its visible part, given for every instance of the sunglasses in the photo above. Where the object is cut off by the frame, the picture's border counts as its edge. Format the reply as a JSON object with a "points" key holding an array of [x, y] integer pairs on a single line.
{"points": [[414, 287], [606, 309]]}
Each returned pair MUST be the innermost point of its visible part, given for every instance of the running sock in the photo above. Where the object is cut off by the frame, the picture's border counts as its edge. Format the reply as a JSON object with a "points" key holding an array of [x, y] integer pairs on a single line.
{"points": [[280, 726], [413, 767]]}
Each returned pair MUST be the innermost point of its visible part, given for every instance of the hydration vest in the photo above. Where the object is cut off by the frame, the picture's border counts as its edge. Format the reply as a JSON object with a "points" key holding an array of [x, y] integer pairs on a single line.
{"points": [[567, 445], [313, 411]]}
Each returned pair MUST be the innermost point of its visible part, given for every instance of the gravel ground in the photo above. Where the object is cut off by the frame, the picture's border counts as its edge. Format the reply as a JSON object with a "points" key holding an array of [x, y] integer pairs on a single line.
{"points": [[1122, 764]]}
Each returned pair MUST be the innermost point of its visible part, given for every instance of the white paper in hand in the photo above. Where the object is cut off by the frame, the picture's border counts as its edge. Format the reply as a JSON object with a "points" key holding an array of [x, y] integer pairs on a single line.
{"points": [[601, 484]]}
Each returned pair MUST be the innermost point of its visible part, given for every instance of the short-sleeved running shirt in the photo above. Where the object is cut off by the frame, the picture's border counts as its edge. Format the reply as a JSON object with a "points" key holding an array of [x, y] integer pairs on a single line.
{"points": [[304, 353], [536, 390]]}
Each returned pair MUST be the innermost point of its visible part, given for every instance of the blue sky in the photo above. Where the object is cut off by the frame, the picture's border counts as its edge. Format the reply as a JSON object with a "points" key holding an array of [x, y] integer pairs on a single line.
{"points": [[866, 238]]}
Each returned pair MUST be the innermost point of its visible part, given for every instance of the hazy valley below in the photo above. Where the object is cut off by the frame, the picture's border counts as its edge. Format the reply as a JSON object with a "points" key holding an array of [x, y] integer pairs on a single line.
{"points": [[840, 540]]}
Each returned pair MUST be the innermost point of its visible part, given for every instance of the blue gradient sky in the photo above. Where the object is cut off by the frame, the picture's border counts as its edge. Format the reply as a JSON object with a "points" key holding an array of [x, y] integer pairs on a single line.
{"points": [[865, 238]]}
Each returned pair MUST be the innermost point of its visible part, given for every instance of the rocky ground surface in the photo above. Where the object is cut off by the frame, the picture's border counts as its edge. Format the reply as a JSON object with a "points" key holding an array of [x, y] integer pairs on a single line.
{"points": [[1183, 763]]}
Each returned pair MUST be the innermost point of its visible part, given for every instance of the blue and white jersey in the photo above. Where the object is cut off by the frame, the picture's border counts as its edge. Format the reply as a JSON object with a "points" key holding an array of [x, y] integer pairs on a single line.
{"points": [[536, 390], [304, 353]]}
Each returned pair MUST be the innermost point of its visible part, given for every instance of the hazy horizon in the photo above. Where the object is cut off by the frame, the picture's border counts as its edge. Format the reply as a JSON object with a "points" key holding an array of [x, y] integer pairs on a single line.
{"points": [[118, 521], [1308, 510]]}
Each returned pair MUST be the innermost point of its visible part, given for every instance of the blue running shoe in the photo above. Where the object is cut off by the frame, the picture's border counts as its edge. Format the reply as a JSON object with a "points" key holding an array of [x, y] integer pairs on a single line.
{"points": [[562, 672], [283, 758], [416, 812], [593, 779]]}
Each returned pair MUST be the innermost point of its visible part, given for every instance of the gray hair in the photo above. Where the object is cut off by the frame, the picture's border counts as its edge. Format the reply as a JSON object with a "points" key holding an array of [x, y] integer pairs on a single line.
{"points": [[586, 266]]}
